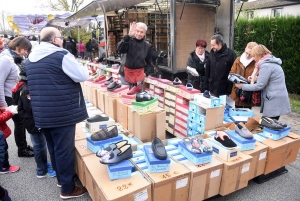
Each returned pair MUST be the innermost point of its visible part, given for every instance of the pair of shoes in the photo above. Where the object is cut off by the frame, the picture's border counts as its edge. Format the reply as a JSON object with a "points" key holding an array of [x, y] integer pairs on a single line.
{"points": [[102, 77], [189, 86], [143, 96], [6, 196], [49, 174], [25, 153], [237, 79], [135, 89], [109, 80], [271, 124], [29, 148], [159, 149], [204, 145], [193, 145], [192, 71], [112, 86], [177, 81], [206, 94], [115, 153], [225, 140], [77, 192], [105, 133], [10, 169], [97, 118], [243, 131]]}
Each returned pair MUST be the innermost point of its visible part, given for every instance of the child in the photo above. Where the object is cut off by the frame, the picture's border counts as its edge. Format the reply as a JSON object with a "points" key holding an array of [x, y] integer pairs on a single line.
{"points": [[5, 115], [22, 97], [3, 193]]}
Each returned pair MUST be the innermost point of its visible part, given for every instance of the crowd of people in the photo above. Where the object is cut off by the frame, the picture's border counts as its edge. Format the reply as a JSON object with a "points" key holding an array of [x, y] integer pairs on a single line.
{"points": [[50, 113]]}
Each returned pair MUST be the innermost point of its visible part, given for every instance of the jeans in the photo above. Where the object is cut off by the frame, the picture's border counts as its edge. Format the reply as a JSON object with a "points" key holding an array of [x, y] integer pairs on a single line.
{"points": [[40, 152], [81, 55], [89, 55], [61, 146], [3, 151], [19, 131]]}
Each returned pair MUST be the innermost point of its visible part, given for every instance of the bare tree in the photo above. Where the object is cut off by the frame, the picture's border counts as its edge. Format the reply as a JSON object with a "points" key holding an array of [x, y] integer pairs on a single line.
{"points": [[4, 28], [63, 5]]}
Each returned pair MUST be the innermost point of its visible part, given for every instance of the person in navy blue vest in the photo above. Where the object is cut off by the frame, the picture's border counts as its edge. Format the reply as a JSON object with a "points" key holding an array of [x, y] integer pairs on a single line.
{"points": [[53, 77]]}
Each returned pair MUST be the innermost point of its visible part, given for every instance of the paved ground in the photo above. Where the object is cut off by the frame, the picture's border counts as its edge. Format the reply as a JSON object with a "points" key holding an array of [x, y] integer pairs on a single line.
{"points": [[24, 186]]}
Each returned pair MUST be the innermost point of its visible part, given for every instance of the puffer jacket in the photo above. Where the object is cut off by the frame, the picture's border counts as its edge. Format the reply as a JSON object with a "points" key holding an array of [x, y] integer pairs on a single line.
{"points": [[239, 68], [4, 117]]}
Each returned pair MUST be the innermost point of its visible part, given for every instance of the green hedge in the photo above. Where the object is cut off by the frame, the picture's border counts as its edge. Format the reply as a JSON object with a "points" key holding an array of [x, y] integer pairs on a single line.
{"points": [[279, 35]]}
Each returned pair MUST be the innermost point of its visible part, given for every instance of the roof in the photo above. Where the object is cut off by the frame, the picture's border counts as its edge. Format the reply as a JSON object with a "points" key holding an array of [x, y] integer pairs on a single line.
{"points": [[261, 4]]}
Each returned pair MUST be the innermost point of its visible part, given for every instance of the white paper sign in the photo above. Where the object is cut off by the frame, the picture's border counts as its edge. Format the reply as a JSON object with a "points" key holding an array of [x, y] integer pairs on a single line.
{"points": [[181, 183], [141, 196], [215, 173], [246, 167], [262, 155]]}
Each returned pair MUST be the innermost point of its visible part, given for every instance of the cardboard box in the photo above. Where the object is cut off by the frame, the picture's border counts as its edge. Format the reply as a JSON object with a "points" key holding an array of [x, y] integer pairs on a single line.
{"points": [[235, 174], [81, 151], [205, 179], [170, 186], [148, 125], [94, 96], [119, 110], [100, 187], [80, 132], [258, 163], [211, 102], [100, 100], [93, 127], [110, 106], [293, 141]]}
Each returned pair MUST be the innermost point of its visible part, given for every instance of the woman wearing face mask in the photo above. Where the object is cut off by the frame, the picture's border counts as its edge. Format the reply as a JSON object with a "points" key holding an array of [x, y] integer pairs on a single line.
{"points": [[11, 60], [244, 66], [197, 59]]}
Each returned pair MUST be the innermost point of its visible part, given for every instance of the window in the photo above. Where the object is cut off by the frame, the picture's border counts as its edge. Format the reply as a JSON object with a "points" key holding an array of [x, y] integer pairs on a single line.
{"points": [[277, 12], [250, 15]]}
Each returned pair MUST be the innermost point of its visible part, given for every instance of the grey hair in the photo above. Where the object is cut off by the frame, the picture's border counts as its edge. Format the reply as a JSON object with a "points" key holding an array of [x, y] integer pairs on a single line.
{"points": [[48, 37], [219, 39], [143, 25]]}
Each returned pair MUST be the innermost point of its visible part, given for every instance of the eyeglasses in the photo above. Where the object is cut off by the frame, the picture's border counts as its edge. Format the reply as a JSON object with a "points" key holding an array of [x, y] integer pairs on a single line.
{"points": [[201, 48], [60, 37]]}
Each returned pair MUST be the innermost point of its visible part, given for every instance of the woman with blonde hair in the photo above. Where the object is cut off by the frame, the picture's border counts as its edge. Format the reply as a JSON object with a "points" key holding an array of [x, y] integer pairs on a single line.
{"points": [[268, 77], [244, 66]]}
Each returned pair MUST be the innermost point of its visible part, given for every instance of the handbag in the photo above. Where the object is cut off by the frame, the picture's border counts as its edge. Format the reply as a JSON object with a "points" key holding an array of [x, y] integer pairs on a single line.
{"points": [[244, 96], [256, 98]]}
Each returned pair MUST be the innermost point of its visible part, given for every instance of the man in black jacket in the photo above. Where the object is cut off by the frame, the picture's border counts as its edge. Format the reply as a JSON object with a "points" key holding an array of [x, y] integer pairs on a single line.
{"points": [[138, 62], [218, 67]]}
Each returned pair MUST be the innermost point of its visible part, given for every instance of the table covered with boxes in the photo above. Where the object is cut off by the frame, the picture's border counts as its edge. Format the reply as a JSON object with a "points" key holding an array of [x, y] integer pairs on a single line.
{"points": [[197, 165]]}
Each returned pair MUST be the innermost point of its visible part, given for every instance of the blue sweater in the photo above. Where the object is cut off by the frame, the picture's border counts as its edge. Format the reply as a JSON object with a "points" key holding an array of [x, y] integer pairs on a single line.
{"points": [[53, 77]]}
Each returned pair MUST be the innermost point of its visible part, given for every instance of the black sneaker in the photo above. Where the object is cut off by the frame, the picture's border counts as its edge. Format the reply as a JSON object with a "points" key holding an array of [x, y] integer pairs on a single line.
{"points": [[25, 153], [29, 148]]}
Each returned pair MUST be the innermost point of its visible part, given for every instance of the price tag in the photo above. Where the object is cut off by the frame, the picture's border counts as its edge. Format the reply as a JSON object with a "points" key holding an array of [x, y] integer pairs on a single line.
{"points": [[246, 167], [124, 186], [262, 155], [141, 196], [215, 173], [181, 183]]}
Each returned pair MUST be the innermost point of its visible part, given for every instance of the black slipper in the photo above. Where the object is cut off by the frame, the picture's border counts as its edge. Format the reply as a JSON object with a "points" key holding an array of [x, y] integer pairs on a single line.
{"points": [[159, 149], [97, 118], [224, 139]]}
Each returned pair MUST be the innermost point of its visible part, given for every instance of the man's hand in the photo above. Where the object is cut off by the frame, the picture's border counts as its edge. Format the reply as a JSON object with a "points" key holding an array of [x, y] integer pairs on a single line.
{"points": [[132, 29], [239, 86]]}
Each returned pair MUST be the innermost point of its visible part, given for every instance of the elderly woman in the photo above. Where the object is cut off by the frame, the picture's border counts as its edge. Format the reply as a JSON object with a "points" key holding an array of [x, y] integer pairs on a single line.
{"points": [[138, 62], [197, 60], [271, 81], [244, 66], [11, 60]]}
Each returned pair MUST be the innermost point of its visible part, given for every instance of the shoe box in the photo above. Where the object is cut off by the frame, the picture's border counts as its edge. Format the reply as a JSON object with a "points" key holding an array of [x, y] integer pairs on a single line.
{"points": [[154, 164], [118, 92], [92, 111], [243, 143], [241, 112], [280, 152], [110, 106], [100, 187], [146, 106], [163, 83], [196, 159], [235, 174], [93, 127], [81, 151], [259, 154], [100, 100], [148, 125], [211, 102], [220, 151], [94, 96], [122, 113], [205, 179], [120, 171], [188, 94], [95, 146], [276, 134], [213, 116]]}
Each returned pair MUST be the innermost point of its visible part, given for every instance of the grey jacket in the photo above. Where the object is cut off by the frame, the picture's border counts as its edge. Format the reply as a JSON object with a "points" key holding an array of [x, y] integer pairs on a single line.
{"points": [[271, 80]]}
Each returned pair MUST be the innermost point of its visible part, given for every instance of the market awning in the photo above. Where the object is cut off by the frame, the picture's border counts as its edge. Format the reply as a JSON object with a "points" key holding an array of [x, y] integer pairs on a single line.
{"points": [[82, 22]]}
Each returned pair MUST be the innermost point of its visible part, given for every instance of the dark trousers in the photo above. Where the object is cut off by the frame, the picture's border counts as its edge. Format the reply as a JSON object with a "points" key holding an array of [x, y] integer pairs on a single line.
{"points": [[3, 152], [61, 146], [2, 192], [19, 132]]}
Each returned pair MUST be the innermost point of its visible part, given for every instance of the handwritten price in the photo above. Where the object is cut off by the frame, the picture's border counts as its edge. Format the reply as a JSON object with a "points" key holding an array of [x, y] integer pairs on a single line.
{"points": [[124, 186]]}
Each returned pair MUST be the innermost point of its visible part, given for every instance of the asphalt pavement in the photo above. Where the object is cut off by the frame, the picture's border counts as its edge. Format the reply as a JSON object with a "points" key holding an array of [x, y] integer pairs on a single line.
{"points": [[25, 186]]}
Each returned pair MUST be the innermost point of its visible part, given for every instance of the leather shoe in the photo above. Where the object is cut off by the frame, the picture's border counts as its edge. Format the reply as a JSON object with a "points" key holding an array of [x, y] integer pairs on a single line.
{"points": [[143, 96], [135, 89], [270, 123], [237, 79], [159, 149], [206, 94], [97, 118], [25, 153], [112, 86], [109, 80]]}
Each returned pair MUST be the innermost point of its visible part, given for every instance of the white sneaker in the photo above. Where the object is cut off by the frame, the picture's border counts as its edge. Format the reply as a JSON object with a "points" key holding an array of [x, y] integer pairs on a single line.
{"points": [[192, 70]]}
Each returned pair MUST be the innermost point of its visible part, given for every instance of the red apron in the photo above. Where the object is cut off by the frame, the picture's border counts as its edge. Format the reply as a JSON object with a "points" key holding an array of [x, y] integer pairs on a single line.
{"points": [[134, 76]]}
